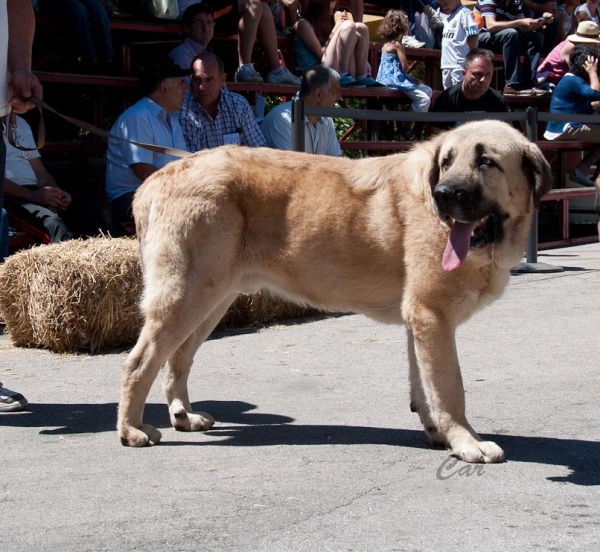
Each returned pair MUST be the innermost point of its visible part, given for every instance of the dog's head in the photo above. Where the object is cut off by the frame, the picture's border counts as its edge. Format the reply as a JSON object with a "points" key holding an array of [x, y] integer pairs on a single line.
{"points": [[486, 179]]}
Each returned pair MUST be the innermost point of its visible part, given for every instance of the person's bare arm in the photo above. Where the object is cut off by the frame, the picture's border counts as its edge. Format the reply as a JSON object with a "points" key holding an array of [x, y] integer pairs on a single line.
{"points": [[50, 196], [524, 24], [44, 178], [306, 33], [23, 84], [143, 170]]}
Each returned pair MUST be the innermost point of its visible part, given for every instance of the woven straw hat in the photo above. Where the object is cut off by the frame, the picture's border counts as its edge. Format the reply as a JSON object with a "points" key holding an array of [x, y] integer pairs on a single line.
{"points": [[587, 32]]}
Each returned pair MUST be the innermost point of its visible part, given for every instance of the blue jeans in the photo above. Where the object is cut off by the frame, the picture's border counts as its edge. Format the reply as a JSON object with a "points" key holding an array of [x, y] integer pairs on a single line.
{"points": [[89, 22], [512, 44]]}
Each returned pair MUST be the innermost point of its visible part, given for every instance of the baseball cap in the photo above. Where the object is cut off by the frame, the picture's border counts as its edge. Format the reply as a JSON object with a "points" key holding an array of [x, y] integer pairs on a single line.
{"points": [[162, 67]]}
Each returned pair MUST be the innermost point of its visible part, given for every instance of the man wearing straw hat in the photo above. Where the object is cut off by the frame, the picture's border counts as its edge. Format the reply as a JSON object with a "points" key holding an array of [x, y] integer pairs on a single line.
{"points": [[556, 64], [17, 85]]}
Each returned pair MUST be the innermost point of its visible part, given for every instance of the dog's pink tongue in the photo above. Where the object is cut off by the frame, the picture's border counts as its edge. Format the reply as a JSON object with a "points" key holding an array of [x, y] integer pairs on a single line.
{"points": [[458, 245]]}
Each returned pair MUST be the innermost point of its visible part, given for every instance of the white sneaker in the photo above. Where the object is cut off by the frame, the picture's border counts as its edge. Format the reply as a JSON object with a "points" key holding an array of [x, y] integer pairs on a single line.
{"points": [[410, 41], [11, 401], [282, 77], [247, 73]]}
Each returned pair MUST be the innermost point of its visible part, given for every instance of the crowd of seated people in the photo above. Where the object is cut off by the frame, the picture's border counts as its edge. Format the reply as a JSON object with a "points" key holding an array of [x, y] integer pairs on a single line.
{"points": [[186, 104]]}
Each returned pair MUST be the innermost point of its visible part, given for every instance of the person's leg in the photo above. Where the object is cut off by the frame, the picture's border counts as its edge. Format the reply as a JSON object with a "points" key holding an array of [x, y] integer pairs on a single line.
{"points": [[2, 159], [43, 218], [421, 98], [3, 234], [75, 14], [584, 133], [122, 213], [250, 12], [100, 28], [85, 219], [341, 47], [506, 43], [530, 44], [267, 36], [10, 401], [361, 49]]}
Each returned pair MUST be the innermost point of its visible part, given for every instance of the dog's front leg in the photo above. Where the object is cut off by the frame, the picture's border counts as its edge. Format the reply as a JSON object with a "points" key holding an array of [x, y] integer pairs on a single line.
{"points": [[418, 400], [440, 377]]}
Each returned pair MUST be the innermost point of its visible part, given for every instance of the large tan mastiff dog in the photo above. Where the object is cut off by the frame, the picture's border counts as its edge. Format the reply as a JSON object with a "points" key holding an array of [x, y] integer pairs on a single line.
{"points": [[424, 238]]}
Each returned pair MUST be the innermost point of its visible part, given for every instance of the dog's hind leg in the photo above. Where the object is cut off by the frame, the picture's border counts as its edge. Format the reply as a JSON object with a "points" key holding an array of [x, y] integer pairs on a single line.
{"points": [[170, 322], [139, 372], [177, 370]]}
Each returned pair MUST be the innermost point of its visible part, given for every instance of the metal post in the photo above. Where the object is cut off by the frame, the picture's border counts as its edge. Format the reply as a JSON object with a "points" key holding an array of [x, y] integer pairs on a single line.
{"points": [[297, 125], [531, 265]]}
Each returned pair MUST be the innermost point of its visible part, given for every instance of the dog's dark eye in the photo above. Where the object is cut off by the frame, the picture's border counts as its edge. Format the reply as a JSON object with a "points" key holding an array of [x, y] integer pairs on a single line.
{"points": [[446, 164], [486, 163]]}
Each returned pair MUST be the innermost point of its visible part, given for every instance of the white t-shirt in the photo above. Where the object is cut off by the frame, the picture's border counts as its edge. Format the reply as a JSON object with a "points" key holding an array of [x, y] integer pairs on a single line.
{"points": [[459, 26], [592, 17], [18, 168], [3, 59]]}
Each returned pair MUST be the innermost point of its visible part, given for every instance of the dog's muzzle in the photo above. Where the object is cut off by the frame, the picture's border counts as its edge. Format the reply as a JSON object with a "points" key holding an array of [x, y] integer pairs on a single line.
{"points": [[473, 222]]}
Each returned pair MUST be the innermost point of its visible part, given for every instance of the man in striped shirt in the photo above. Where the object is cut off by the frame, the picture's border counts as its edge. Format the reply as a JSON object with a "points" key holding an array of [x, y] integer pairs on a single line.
{"points": [[507, 31]]}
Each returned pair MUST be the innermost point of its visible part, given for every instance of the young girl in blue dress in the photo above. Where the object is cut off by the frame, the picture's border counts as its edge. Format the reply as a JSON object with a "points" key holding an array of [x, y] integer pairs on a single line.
{"points": [[393, 69]]}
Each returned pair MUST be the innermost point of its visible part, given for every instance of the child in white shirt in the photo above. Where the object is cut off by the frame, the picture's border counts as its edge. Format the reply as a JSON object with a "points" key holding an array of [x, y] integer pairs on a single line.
{"points": [[459, 35]]}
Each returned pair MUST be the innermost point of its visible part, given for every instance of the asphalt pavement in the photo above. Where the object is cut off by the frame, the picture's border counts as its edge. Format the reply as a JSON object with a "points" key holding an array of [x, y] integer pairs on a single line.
{"points": [[315, 447]]}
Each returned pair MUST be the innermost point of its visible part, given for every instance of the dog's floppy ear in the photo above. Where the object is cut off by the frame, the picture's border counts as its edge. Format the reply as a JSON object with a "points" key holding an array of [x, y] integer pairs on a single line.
{"points": [[540, 175]]}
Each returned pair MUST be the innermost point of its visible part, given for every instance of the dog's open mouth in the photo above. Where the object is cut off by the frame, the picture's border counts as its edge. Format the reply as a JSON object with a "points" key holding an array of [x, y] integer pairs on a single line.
{"points": [[467, 236]]}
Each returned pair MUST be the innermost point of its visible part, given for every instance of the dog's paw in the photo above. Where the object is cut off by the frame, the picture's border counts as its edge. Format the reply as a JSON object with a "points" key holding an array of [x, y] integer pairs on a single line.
{"points": [[191, 421], [485, 452], [146, 436], [435, 438]]}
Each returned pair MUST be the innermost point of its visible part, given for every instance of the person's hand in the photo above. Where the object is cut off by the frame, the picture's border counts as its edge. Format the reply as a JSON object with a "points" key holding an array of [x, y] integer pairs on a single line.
{"points": [[528, 24], [590, 65], [23, 85], [548, 17], [52, 196], [596, 106]]}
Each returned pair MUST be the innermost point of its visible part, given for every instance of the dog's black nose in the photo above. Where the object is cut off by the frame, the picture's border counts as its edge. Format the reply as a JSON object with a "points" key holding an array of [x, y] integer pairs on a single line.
{"points": [[446, 193]]}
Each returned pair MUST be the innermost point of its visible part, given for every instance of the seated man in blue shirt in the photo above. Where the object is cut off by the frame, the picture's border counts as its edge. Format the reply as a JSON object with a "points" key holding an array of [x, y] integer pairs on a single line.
{"points": [[151, 121], [320, 87], [212, 116]]}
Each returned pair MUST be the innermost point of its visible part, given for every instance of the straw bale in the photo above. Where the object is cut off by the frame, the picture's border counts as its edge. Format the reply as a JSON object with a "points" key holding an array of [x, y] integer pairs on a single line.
{"points": [[83, 295], [75, 295]]}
